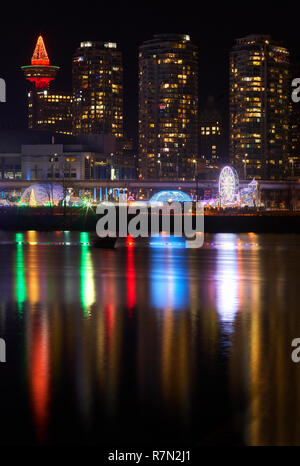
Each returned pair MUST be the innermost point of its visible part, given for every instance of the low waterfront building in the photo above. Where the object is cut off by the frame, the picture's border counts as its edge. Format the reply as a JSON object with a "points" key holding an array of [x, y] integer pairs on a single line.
{"points": [[44, 156], [10, 167]]}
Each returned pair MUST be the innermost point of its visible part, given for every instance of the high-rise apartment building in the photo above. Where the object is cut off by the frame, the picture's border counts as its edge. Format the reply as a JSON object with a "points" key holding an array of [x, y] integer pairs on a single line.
{"points": [[97, 75], [50, 111], [47, 110], [293, 168], [259, 107], [168, 107], [211, 144]]}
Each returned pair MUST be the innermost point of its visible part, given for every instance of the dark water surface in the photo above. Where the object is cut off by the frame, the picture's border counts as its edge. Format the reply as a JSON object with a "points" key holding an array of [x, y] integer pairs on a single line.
{"points": [[150, 343]]}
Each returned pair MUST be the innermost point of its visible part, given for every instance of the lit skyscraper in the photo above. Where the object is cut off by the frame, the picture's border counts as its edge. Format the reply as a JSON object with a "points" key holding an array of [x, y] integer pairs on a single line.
{"points": [[168, 107], [97, 73], [259, 107]]}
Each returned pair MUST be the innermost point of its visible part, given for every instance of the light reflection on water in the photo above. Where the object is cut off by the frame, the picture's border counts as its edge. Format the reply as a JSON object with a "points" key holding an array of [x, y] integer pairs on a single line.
{"points": [[147, 340], [169, 280], [227, 278]]}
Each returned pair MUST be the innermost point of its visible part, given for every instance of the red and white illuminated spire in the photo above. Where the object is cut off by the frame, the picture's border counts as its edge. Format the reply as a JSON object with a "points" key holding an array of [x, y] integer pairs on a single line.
{"points": [[40, 56], [40, 72]]}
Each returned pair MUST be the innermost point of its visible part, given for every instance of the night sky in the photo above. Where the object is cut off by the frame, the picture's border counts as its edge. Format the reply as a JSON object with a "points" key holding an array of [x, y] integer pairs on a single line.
{"points": [[64, 24]]}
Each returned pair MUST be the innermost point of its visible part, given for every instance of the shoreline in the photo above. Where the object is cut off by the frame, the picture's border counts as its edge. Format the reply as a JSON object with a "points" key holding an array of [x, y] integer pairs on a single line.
{"points": [[74, 219]]}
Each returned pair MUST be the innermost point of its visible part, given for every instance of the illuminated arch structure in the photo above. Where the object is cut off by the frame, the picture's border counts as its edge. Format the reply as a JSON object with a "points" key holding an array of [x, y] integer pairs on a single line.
{"points": [[170, 196], [39, 194]]}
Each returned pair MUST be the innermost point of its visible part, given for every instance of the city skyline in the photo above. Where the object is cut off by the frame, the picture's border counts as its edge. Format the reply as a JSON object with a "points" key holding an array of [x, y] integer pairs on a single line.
{"points": [[169, 131], [210, 33]]}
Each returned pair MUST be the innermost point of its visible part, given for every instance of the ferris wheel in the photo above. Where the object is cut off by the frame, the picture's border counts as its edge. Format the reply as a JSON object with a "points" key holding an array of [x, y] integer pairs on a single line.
{"points": [[228, 186]]}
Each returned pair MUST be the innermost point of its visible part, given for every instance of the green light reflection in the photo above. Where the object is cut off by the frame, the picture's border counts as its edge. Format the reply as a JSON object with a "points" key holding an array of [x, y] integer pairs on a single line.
{"points": [[86, 272], [20, 286]]}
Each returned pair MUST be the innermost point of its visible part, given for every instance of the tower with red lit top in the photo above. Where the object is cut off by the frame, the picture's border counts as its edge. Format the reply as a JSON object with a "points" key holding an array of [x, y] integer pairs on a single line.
{"points": [[47, 110], [40, 72]]}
